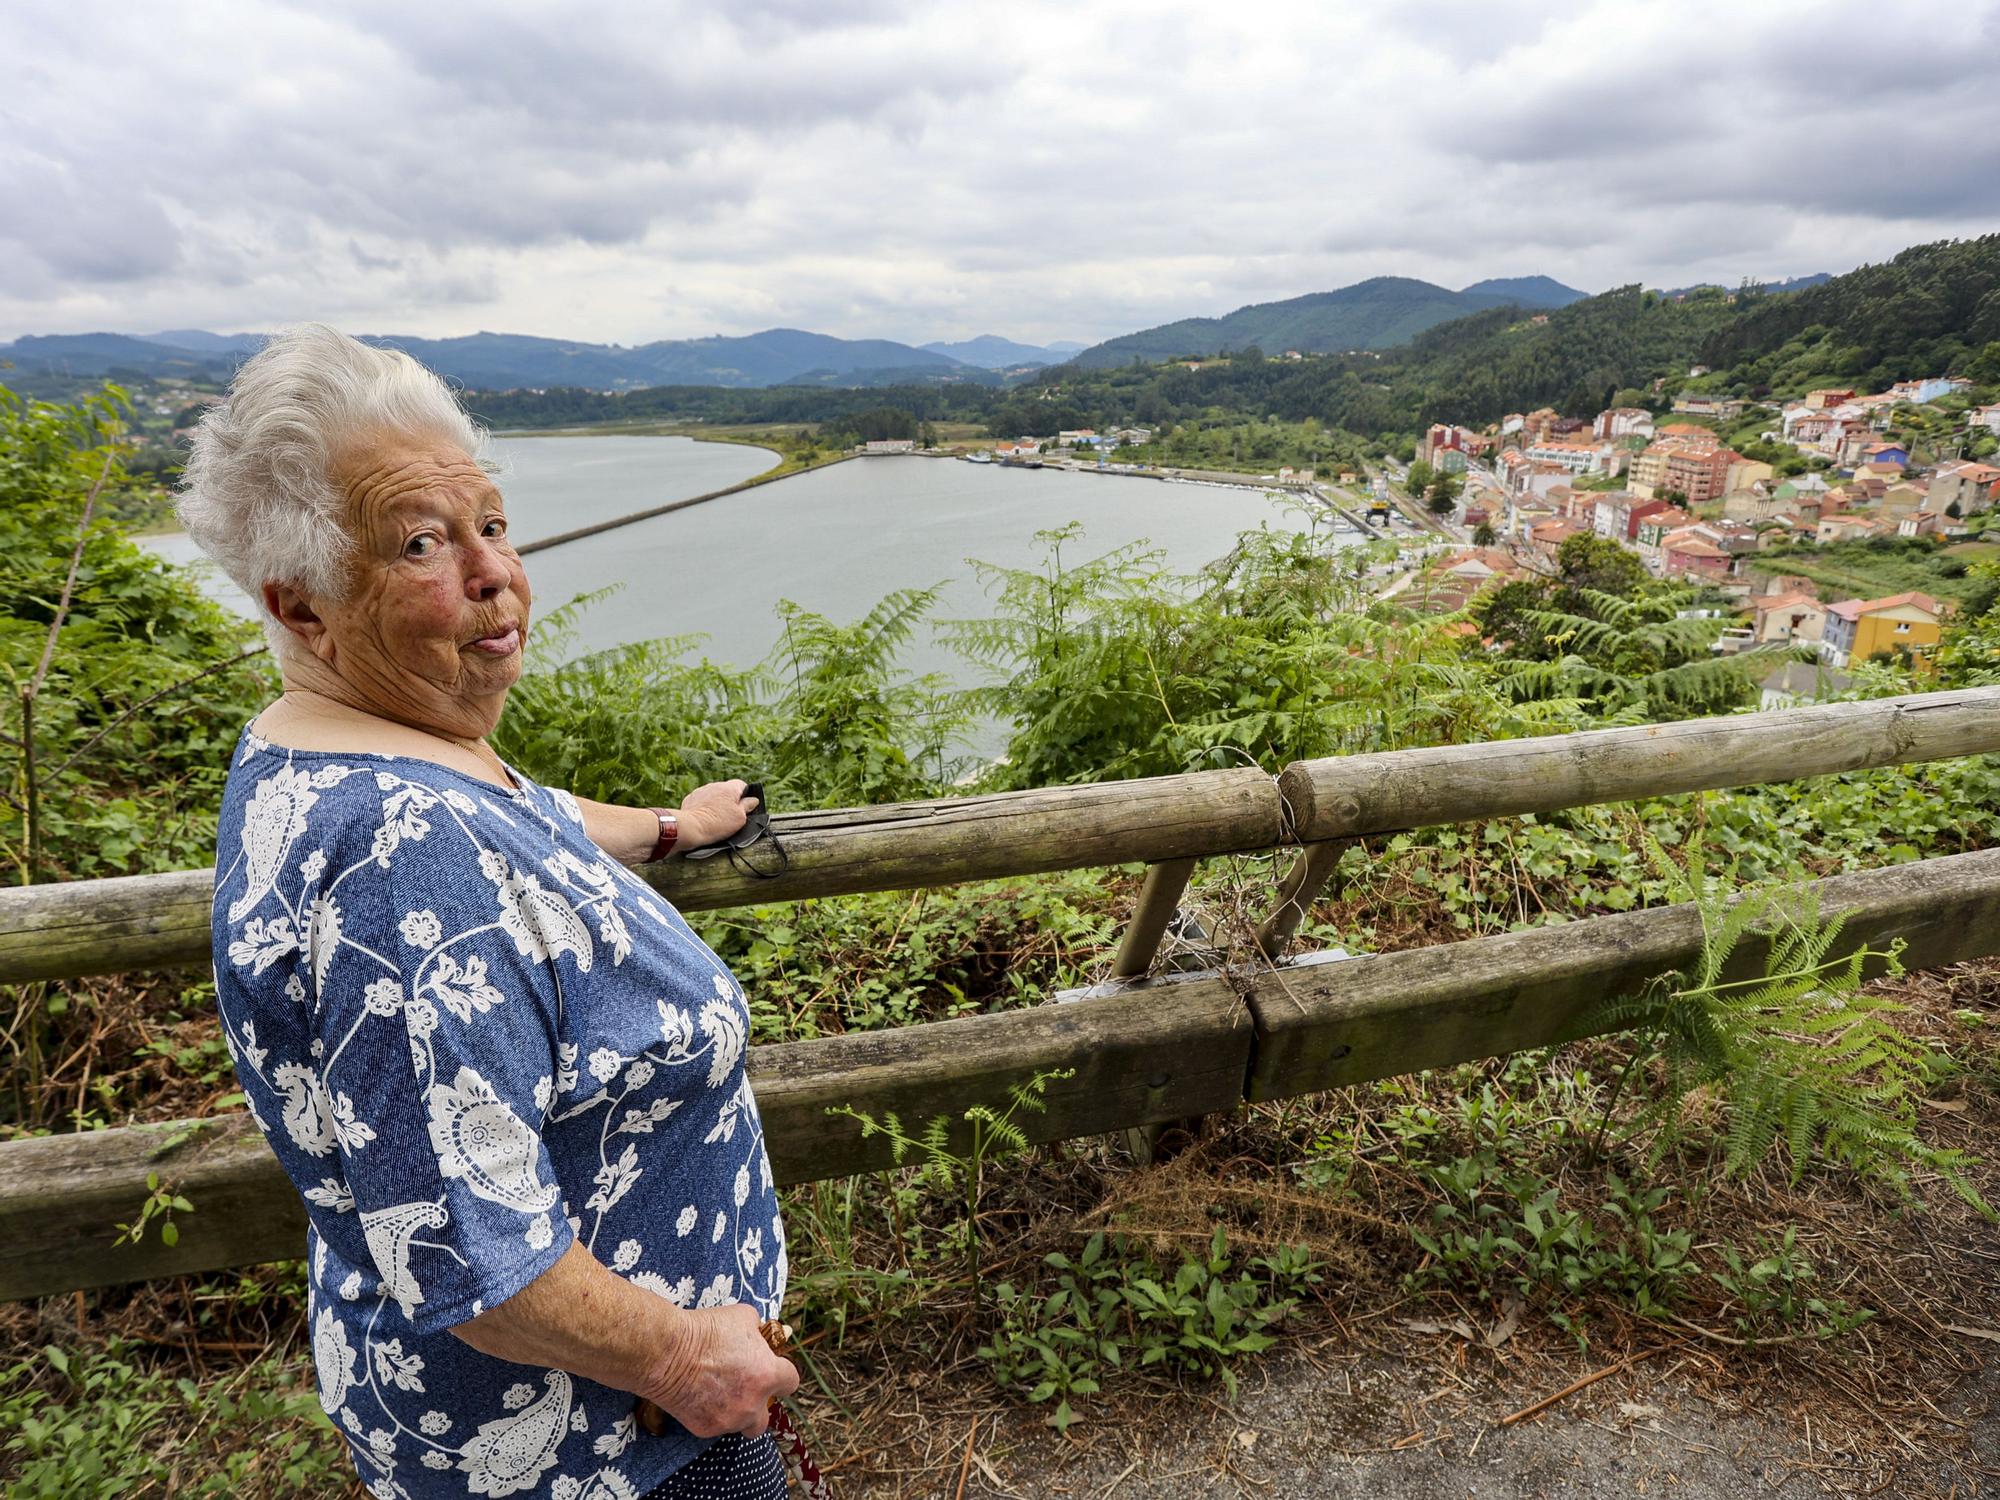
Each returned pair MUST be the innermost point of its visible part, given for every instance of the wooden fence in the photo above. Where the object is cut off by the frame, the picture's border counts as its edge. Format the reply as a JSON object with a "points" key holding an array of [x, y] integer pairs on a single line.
{"points": [[1144, 1050]]}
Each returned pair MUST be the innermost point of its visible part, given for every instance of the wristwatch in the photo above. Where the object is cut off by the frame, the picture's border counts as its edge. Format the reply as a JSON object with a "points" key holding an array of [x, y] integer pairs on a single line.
{"points": [[670, 829]]}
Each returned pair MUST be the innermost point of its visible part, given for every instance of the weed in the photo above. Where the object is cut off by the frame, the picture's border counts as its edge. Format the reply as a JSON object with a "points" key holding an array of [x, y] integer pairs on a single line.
{"points": [[82, 1426], [161, 1204], [1773, 1293], [1114, 1307], [1801, 1052], [993, 1135]]}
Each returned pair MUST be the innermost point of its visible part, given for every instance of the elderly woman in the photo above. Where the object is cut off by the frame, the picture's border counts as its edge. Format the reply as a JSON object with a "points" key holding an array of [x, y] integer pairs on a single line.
{"points": [[505, 1076]]}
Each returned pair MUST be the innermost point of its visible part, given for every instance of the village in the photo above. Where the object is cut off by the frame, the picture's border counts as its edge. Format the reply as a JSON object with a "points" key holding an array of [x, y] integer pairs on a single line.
{"points": [[1693, 508]]}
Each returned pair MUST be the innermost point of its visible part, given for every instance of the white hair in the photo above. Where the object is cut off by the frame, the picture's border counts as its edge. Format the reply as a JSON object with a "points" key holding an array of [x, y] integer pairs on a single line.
{"points": [[255, 492]]}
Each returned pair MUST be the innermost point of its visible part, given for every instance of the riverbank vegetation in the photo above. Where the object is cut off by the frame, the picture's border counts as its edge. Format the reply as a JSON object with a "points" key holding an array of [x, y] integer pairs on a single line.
{"points": [[1501, 1221]]}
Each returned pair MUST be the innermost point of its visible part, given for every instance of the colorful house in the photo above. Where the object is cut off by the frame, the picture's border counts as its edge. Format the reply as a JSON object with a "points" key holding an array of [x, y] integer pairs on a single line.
{"points": [[1787, 617], [1857, 629], [1970, 486], [1687, 552]]}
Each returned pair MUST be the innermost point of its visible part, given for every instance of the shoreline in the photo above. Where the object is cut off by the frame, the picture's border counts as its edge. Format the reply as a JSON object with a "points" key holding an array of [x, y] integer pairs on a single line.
{"points": [[770, 476]]}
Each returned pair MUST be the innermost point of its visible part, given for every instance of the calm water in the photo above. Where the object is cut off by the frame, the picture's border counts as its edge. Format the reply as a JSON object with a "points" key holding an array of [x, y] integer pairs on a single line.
{"points": [[835, 540]]}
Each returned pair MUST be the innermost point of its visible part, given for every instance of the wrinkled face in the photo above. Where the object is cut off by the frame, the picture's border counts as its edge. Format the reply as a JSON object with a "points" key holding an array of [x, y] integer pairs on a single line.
{"points": [[436, 616]]}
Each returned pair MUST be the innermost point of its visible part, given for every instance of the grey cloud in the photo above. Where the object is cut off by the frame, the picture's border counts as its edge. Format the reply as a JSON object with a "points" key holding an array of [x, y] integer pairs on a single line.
{"points": [[883, 167], [93, 232]]}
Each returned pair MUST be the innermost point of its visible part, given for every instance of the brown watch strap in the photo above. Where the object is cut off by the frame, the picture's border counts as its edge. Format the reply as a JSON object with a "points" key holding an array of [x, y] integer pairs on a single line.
{"points": [[670, 830]]}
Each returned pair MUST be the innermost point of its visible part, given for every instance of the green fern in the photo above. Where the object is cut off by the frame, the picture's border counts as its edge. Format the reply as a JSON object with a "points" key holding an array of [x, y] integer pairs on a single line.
{"points": [[993, 1134], [1799, 1053]]}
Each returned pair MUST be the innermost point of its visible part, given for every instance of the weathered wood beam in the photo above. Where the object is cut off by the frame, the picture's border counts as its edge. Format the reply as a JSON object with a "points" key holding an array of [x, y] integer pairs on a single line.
{"points": [[162, 921], [63, 1196], [1140, 1057], [1149, 1054], [105, 926], [1335, 1024], [1396, 789], [1296, 894]]}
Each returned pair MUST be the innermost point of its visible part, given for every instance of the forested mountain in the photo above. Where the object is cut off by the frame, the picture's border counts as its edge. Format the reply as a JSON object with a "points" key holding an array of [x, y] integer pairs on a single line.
{"points": [[507, 360], [1931, 310], [991, 352], [1526, 291], [1376, 314], [112, 354], [240, 344], [1928, 311], [1790, 284]]}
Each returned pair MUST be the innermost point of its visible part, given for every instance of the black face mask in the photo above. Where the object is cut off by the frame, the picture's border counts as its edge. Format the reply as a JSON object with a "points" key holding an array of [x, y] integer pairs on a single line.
{"points": [[771, 860]]}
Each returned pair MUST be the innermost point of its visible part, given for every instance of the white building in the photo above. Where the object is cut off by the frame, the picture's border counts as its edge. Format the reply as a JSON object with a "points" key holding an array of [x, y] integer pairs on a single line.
{"points": [[1576, 458], [1623, 421]]}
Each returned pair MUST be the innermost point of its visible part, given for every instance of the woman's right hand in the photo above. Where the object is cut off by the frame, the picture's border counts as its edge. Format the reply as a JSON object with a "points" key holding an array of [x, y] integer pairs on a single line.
{"points": [[721, 1376]]}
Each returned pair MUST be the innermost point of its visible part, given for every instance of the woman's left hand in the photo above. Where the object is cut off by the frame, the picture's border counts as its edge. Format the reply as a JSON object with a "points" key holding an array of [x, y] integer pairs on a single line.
{"points": [[713, 812]]}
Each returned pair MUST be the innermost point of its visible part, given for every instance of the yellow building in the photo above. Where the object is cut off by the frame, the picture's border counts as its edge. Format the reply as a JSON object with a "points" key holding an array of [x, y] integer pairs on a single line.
{"points": [[1748, 471], [1857, 629]]}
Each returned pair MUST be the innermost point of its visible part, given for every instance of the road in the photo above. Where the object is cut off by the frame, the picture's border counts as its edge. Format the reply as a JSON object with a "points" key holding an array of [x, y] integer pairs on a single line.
{"points": [[1415, 511]]}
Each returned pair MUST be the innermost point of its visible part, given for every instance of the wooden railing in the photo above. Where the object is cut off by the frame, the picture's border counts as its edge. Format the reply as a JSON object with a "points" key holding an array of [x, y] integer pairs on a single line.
{"points": [[1143, 1050]]}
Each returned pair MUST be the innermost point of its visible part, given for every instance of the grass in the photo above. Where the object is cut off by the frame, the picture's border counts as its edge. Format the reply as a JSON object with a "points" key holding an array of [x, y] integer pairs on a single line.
{"points": [[1860, 570]]}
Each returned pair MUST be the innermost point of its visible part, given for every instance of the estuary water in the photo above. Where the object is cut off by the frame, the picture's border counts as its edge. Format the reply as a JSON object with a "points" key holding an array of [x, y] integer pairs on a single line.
{"points": [[834, 540]]}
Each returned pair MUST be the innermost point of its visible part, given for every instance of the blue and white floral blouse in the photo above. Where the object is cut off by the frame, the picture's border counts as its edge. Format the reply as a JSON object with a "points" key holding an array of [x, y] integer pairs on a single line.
{"points": [[472, 1037]]}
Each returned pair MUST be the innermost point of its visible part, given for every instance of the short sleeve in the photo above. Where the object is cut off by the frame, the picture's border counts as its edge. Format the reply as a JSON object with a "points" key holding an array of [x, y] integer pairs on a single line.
{"points": [[437, 990]]}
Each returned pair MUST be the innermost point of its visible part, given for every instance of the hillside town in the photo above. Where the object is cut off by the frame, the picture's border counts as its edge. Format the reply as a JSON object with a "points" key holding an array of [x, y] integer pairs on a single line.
{"points": [[1691, 507]]}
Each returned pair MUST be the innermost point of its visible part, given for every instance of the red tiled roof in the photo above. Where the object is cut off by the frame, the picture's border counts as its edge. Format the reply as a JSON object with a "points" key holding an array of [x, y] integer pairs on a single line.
{"points": [[1491, 557], [1853, 609], [1783, 601], [1691, 546]]}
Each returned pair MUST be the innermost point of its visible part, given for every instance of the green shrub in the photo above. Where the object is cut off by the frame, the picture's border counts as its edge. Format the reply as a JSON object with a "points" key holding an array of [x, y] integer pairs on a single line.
{"points": [[88, 1426]]}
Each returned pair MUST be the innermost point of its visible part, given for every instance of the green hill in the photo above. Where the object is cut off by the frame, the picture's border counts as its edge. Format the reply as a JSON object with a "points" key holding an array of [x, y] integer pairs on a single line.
{"points": [[1933, 309], [1375, 314], [1526, 291]]}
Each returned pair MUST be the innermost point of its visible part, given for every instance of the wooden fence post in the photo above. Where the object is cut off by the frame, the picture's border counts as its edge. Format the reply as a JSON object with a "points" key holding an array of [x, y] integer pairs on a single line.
{"points": [[1296, 894], [1159, 899]]}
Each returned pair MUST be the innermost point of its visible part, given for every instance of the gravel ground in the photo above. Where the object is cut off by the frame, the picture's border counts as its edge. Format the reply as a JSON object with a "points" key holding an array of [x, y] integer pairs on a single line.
{"points": [[1392, 1431]]}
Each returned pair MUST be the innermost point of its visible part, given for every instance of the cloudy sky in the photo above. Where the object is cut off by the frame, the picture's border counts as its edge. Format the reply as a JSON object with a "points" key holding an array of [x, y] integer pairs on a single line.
{"points": [[1037, 168]]}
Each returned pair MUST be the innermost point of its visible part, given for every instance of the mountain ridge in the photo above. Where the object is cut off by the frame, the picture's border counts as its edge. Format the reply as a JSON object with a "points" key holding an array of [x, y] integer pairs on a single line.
{"points": [[1379, 313], [502, 361], [992, 352], [1526, 291]]}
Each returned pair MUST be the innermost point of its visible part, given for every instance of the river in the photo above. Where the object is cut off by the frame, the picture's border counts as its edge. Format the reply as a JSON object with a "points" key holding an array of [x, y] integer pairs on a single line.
{"points": [[834, 540]]}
